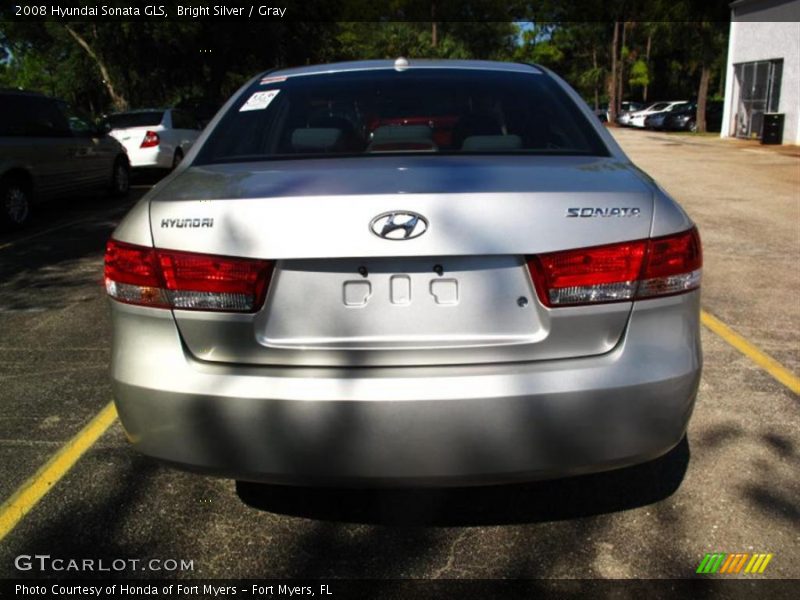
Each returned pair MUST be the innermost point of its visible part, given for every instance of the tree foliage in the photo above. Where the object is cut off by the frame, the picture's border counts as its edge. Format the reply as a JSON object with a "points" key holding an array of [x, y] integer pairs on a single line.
{"points": [[169, 62], [639, 74]]}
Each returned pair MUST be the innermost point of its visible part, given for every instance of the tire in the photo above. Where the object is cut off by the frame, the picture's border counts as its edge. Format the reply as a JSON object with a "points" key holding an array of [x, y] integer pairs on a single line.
{"points": [[121, 178], [693, 126], [15, 203], [176, 160]]}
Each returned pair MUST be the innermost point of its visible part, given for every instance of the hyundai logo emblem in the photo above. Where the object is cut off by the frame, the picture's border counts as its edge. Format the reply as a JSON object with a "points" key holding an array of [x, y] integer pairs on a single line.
{"points": [[399, 225]]}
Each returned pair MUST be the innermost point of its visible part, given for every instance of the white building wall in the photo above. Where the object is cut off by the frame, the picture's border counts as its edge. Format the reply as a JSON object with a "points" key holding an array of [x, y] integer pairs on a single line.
{"points": [[751, 41]]}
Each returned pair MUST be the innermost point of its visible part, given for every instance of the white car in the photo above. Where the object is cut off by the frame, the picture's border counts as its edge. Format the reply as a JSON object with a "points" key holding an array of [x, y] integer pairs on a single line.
{"points": [[636, 119], [154, 138]]}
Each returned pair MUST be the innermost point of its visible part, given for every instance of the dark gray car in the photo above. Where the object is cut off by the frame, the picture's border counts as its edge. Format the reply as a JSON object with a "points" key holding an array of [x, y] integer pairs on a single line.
{"points": [[47, 153], [405, 273]]}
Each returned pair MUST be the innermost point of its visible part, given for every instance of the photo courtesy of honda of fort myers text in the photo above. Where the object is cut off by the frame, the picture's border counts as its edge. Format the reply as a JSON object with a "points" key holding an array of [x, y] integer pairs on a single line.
{"points": [[174, 590]]}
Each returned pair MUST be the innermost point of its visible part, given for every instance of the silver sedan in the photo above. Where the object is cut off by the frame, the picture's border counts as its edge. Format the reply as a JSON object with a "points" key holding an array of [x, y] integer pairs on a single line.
{"points": [[405, 273]]}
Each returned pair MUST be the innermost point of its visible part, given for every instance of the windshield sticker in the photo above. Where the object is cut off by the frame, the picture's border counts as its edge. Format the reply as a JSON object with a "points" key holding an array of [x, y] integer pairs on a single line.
{"points": [[259, 100]]}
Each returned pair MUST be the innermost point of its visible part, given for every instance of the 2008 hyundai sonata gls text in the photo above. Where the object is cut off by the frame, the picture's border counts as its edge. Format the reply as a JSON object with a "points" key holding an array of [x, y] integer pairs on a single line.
{"points": [[405, 273]]}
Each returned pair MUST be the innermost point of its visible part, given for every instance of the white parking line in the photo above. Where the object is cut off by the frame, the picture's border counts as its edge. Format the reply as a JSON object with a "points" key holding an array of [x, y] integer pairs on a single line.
{"points": [[86, 219], [41, 233]]}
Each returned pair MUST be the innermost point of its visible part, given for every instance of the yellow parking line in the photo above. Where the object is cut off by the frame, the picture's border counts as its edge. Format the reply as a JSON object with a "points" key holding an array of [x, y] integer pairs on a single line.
{"points": [[32, 491], [29, 493], [766, 362]]}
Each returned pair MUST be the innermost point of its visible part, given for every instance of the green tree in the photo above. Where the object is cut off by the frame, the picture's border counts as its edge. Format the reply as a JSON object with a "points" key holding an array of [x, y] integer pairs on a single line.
{"points": [[111, 65], [105, 65], [538, 46], [368, 40], [639, 74]]}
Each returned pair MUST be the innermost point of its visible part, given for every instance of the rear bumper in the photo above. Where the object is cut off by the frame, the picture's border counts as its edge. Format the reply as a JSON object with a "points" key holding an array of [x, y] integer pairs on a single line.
{"points": [[413, 425], [150, 158]]}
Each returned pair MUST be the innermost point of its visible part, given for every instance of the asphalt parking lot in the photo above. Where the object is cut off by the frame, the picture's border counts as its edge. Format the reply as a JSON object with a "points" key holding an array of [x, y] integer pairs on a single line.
{"points": [[733, 487]]}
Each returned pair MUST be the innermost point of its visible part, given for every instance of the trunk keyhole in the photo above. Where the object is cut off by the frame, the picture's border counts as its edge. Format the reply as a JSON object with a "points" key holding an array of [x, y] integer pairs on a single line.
{"points": [[362, 270], [438, 269]]}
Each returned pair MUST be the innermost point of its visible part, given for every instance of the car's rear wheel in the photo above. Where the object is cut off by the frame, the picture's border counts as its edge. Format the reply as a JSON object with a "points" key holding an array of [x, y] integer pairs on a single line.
{"points": [[15, 203], [693, 127], [176, 160], [121, 178]]}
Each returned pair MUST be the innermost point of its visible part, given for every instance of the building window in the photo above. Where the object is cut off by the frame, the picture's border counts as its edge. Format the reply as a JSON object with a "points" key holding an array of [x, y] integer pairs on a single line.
{"points": [[759, 89]]}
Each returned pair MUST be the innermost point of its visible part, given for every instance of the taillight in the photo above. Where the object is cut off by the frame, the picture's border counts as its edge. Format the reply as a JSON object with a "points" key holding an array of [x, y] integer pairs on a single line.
{"points": [[619, 272], [673, 265], [185, 280], [601, 274], [133, 275], [150, 139]]}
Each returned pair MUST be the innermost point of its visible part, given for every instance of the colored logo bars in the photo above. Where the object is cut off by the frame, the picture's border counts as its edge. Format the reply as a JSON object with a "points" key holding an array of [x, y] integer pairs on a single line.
{"points": [[721, 562]]}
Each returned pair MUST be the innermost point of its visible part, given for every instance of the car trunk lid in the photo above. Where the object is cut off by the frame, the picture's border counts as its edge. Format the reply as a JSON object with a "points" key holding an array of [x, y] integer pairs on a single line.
{"points": [[460, 293]]}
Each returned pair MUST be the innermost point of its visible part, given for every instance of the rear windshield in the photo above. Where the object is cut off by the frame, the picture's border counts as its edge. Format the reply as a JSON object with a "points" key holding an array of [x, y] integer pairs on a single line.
{"points": [[434, 111], [135, 119]]}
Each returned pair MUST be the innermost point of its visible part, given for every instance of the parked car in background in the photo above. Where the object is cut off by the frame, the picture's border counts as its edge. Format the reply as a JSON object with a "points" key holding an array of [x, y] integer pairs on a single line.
{"points": [[685, 119], [154, 138], [625, 109], [637, 117], [655, 120], [48, 152], [405, 273]]}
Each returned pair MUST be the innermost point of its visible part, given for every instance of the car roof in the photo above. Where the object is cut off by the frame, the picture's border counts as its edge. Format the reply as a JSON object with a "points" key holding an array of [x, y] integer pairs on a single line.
{"points": [[409, 64]]}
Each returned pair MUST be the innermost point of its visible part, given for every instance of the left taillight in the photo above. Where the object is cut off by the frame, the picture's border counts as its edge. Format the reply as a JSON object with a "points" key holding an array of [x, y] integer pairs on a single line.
{"points": [[150, 140], [185, 280]]}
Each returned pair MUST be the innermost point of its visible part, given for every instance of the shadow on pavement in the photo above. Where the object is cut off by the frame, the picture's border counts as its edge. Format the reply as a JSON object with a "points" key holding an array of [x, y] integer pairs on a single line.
{"points": [[148, 177], [535, 502], [39, 267]]}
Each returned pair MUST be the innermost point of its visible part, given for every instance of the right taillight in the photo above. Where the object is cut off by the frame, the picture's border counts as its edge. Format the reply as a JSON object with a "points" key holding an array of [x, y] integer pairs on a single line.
{"points": [[185, 280], [673, 265], [150, 139], [619, 272]]}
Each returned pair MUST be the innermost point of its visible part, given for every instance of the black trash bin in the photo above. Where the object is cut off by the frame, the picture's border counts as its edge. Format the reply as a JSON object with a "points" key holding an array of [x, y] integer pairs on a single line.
{"points": [[772, 132]]}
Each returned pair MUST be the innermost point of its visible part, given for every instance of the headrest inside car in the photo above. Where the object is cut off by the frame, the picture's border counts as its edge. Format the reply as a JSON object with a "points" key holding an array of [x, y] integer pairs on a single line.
{"points": [[316, 139]]}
